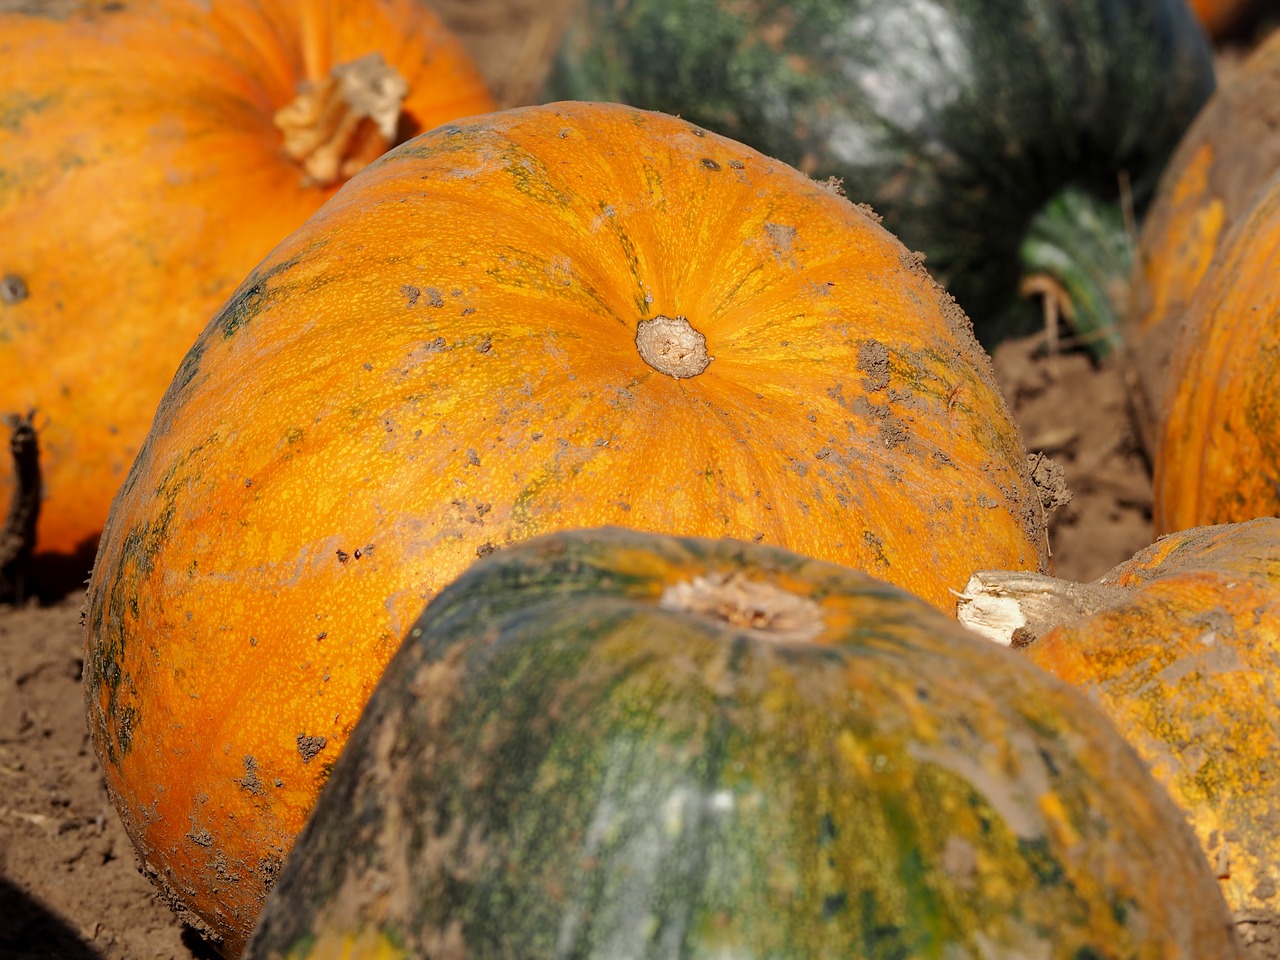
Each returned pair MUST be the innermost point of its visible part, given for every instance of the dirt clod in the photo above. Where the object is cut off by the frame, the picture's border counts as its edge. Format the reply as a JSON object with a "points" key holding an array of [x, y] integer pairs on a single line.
{"points": [[309, 747], [13, 289]]}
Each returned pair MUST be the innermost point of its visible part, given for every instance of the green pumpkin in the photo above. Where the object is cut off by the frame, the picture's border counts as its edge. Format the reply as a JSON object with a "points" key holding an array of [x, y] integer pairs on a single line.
{"points": [[606, 744], [992, 135]]}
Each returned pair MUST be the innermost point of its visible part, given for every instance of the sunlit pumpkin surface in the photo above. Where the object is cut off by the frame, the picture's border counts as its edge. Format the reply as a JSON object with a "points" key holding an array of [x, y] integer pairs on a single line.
{"points": [[614, 746], [1213, 178], [1188, 669], [994, 136], [142, 174], [1219, 448], [444, 361]]}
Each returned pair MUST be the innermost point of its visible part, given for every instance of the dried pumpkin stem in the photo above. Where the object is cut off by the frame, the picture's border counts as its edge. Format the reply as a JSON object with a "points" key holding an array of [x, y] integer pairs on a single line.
{"points": [[1079, 254], [18, 535], [341, 124], [1014, 607]]}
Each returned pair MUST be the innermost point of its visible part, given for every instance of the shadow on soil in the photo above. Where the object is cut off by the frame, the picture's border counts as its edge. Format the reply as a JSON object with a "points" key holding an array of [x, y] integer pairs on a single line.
{"points": [[31, 931]]}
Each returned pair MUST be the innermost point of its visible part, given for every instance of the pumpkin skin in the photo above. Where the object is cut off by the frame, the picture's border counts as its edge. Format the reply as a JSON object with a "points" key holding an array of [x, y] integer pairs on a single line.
{"points": [[962, 122], [158, 116], [1218, 450], [1220, 17], [1187, 666], [1226, 156], [444, 360], [608, 744]]}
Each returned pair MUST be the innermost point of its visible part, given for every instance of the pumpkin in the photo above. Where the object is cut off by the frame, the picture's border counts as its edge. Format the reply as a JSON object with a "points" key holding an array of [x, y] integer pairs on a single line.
{"points": [[152, 152], [994, 137], [1226, 156], [1180, 647], [610, 744], [549, 317], [1218, 449], [1221, 17]]}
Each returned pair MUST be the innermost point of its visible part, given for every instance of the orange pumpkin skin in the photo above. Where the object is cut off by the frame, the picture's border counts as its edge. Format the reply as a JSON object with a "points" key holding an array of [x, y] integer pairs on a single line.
{"points": [[444, 360], [143, 176], [1187, 666], [1225, 157], [1220, 17], [1219, 447]]}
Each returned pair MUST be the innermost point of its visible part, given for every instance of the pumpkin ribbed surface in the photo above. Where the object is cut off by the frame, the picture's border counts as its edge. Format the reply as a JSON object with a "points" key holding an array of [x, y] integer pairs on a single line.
{"points": [[994, 137], [603, 744], [1219, 447], [447, 358], [1226, 156], [143, 172], [1187, 666]]}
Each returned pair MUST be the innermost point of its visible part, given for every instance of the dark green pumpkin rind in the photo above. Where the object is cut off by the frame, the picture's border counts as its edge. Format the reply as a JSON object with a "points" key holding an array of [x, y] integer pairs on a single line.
{"points": [[555, 765], [957, 121]]}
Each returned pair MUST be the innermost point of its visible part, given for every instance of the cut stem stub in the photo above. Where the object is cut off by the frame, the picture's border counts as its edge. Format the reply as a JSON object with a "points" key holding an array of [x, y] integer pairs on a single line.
{"points": [[754, 605], [1015, 607], [672, 346]]}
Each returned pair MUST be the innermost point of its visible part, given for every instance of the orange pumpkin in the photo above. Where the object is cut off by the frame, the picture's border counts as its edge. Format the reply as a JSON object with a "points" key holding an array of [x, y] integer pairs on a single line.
{"points": [[1222, 161], [1218, 454], [1220, 17], [1180, 646], [559, 316], [152, 153]]}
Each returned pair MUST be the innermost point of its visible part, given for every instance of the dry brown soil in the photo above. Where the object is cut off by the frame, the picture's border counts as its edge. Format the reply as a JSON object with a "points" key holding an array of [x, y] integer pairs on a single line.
{"points": [[69, 885]]}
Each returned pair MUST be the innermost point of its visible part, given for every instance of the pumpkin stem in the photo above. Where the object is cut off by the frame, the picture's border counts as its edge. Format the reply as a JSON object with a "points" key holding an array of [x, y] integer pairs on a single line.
{"points": [[1015, 607], [344, 122], [18, 535], [672, 346], [754, 605], [1078, 251]]}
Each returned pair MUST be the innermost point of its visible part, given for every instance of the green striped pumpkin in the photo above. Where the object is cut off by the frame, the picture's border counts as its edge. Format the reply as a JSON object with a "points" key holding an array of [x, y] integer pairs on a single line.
{"points": [[610, 745]]}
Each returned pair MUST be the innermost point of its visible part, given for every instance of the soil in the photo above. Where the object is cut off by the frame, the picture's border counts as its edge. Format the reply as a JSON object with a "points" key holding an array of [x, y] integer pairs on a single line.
{"points": [[69, 884]]}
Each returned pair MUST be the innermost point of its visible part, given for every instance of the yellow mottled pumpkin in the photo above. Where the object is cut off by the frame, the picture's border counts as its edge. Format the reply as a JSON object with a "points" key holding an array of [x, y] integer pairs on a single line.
{"points": [[1223, 160], [1180, 646], [558, 316], [151, 152]]}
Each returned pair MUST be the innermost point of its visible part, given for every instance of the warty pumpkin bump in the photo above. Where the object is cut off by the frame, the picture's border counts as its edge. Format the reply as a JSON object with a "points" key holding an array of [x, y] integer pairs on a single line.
{"points": [[558, 316], [153, 151]]}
